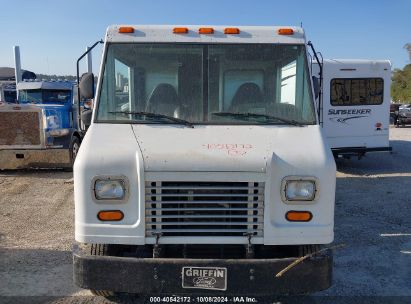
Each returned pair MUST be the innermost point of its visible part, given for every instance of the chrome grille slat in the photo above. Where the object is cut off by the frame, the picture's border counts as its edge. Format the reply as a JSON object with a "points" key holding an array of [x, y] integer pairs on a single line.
{"points": [[204, 208], [204, 230], [204, 195], [200, 202], [198, 216], [204, 223], [203, 188]]}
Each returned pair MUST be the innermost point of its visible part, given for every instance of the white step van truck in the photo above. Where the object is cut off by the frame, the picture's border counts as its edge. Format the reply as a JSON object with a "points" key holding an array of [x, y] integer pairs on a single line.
{"points": [[204, 169], [355, 105]]}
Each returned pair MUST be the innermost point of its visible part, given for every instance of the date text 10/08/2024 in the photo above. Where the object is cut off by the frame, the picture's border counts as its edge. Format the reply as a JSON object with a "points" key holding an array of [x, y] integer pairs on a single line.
{"points": [[198, 299]]}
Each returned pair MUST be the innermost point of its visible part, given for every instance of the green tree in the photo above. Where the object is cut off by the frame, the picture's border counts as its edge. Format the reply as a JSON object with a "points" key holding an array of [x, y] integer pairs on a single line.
{"points": [[401, 85]]}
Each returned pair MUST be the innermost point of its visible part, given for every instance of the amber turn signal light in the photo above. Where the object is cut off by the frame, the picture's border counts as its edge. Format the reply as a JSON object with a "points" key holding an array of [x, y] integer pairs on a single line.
{"points": [[110, 215], [285, 31], [126, 29], [298, 216], [206, 30], [232, 30], [180, 30]]}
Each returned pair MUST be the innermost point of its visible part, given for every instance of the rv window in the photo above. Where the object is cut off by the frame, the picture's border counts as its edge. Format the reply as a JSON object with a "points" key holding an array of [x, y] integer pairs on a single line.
{"points": [[356, 91]]}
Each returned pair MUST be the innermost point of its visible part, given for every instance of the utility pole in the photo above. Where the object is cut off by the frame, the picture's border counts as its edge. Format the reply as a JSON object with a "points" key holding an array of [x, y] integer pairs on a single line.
{"points": [[408, 48]]}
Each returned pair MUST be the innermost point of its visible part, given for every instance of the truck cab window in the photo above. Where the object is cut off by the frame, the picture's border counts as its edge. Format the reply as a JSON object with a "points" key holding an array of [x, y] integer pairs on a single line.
{"points": [[152, 78], [47, 96]]}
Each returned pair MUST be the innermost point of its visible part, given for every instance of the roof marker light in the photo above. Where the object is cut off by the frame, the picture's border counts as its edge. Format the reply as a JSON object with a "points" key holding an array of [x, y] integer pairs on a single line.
{"points": [[180, 30], [285, 31], [126, 29], [232, 30], [206, 30]]}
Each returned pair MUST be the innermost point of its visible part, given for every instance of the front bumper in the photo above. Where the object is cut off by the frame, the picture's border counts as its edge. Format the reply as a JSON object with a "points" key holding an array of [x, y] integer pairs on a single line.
{"points": [[42, 158], [164, 276], [358, 151]]}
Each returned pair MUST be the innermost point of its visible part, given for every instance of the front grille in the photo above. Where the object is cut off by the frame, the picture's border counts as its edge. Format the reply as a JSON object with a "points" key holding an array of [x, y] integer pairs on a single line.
{"points": [[204, 208], [19, 129]]}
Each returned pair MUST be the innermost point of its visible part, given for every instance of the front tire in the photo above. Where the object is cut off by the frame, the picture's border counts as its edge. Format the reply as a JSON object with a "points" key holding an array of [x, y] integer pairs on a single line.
{"points": [[74, 148], [101, 250], [303, 250]]}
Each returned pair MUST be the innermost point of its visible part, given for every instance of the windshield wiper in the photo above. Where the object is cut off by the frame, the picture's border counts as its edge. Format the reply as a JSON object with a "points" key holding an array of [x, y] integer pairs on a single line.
{"points": [[256, 115], [156, 116]]}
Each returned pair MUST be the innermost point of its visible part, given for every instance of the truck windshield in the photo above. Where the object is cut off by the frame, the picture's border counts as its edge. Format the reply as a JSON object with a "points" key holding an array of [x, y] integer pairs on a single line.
{"points": [[206, 84], [40, 96]]}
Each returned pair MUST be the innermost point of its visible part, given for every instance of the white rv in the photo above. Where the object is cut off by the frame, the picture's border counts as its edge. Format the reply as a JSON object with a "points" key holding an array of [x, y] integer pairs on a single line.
{"points": [[204, 169], [355, 105]]}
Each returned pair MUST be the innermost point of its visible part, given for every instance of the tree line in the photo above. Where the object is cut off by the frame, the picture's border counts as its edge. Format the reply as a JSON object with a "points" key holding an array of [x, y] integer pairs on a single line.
{"points": [[401, 85], [401, 81]]}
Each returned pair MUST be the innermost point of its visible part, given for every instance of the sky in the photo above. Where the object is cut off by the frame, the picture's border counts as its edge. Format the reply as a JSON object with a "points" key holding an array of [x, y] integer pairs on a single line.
{"points": [[52, 34]]}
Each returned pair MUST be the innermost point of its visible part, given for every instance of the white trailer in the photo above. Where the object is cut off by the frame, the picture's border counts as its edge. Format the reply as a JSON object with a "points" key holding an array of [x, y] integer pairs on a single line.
{"points": [[204, 169], [355, 105]]}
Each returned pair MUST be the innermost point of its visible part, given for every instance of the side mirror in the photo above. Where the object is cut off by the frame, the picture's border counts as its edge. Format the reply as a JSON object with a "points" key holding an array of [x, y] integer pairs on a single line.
{"points": [[316, 84], [86, 86], [86, 117]]}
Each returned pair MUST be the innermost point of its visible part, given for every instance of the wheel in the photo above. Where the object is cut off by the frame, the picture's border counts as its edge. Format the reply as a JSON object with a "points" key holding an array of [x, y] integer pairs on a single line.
{"points": [[101, 250], [103, 293], [73, 150], [119, 297], [303, 250], [74, 147]]}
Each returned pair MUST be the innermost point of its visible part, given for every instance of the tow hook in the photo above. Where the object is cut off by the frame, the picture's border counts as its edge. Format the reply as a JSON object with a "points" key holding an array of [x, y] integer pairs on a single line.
{"points": [[157, 248], [249, 248]]}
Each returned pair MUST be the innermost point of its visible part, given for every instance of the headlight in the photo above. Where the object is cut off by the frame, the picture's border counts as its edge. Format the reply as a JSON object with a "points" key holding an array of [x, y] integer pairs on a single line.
{"points": [[53, 122], [299, 190], [110, 188]]}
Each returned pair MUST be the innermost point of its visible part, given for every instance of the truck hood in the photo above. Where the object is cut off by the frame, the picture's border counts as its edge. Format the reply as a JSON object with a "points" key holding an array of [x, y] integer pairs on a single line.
{"points": [[220, 148]]}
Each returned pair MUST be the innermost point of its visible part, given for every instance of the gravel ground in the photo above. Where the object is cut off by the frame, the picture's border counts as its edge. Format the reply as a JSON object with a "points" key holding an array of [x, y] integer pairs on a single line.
{"points": [[373, 208]]}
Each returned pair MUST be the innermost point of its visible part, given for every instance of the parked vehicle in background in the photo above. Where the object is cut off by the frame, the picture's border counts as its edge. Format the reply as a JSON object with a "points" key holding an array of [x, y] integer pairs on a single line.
{"points": [[404, 115], [44, 129], [7, 85], [202, 168], [403, 106], [394, 111], [41, 131], [355, 105], [8, 92]]}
